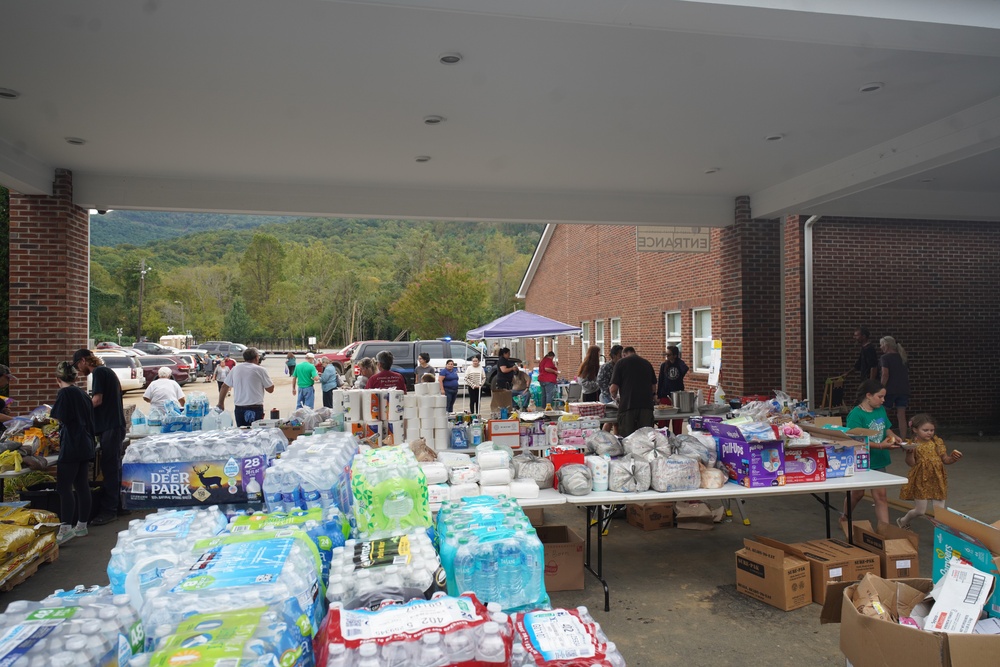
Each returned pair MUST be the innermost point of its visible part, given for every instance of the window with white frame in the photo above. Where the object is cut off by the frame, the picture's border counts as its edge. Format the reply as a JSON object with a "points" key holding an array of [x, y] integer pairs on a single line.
{"points": [[616, 331], [555, 346], [672, 329], [599, 335], [584, 338], [538, 342], [701, 338]]}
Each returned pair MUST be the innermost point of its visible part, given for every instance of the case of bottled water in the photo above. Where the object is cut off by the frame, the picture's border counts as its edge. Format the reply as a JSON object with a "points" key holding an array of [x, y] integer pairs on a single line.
{"points": [[367, 573], [254, 637], [488, 546], [277, 569], [390, 492], [204, 468], [562, 638], [440, 632], [161, 533], [316, 462], [326, 526], [85, 626]]}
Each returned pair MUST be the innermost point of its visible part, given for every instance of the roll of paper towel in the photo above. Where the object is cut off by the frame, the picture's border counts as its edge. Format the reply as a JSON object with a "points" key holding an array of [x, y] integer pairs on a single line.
{"points": [[352, 405], [442, 438], [411, 413], [396, 431], [599, 469], [499, 490], [371, 402], [338, 402], [494, 477], [410, 401], [524, 488], [392, 403], [426, 414], [413, 426], [428, 435]]}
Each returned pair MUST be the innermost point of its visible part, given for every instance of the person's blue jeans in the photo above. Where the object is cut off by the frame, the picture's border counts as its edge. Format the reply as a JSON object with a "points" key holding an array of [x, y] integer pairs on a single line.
{"points": [[246, 415], [549, 391], [305, 397], [450, 395]]}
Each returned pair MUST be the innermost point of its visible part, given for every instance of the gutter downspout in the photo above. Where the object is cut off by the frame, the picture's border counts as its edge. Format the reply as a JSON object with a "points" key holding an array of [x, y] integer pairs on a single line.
{"points": [[807, 243]]}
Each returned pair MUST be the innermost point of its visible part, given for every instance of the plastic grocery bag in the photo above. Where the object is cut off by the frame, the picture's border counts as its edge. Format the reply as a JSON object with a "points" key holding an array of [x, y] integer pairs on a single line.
{"points": [[694, 448], [529, 466], [647, 444], [675, 473], [713, 478], [575, 479], [602, 443], [628, 475]]}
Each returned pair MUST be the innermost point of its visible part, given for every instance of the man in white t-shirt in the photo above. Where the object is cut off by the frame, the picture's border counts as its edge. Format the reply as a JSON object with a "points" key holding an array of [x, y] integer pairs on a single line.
{"points": [[248, 382], [163, 389]]}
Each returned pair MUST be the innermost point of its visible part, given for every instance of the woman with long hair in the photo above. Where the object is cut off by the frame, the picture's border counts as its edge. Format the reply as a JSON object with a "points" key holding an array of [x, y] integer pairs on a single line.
{"points": [[587, 374], [896, 379], [75, 412]]}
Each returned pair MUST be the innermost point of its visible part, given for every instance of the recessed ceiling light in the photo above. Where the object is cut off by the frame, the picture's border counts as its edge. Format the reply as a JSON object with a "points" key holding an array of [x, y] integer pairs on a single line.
{"points": [[774, 137], [926, 180], [712, 170], [423, 158], [871, 87], [75, 141], [450, 58], [9, 94], [433, 120]]}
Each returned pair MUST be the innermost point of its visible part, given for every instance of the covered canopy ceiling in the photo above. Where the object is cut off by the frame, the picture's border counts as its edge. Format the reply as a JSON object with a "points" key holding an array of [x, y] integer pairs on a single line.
{"points": [[608, 111]]}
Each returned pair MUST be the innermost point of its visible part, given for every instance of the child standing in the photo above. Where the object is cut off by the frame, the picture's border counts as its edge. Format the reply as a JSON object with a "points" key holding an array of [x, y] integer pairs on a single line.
{"points": [[870, 414], [928, 479]]}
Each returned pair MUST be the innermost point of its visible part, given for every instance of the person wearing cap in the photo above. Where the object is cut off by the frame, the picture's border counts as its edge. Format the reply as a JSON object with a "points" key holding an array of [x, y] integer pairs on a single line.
{"points": [[5, 401], [109, 425], [248, 381], [229, 361], [303, 378]]}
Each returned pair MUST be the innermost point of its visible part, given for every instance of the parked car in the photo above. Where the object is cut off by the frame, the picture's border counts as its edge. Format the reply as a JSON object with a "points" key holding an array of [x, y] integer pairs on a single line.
{"points": [[224, 347], [405, 353], [152, 348], [108, 345], [204, 360], [341, 358], [179, 370], [126, 367]]}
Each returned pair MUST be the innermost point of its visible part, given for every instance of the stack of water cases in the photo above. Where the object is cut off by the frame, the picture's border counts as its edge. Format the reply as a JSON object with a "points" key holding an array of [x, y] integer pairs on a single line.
{"points": [[158, 540], [79, 627], [276, 571], [442, 632], [314, 472], [489, 547], [204, 468], [390, 493], [562, 638], [365, 574]]}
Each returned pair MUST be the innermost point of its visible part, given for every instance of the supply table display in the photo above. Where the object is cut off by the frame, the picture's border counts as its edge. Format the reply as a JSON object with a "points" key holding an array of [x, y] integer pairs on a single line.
{"points": [[596, 501]]}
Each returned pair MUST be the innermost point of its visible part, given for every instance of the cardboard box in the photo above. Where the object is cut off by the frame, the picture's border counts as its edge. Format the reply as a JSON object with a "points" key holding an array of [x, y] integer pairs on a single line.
{"points": [[536, 515], [897, 549], [563, 558], [697, 515], [773, 575], [292, 432], [830, 561], [651, 516], [975, 541], [497, 427], [512, 441], [871, 642], [806, 464], [751, 464]]}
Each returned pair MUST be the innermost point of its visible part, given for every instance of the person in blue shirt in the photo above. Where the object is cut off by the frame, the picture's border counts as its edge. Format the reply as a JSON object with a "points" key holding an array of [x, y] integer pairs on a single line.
{"points": [[448, 379], [329, 380]]}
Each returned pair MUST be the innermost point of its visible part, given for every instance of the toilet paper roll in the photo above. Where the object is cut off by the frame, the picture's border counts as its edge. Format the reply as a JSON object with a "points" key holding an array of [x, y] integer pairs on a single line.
{"points": [[459, 491], [413, 426], [440, 401], [494, 477], [440, 421], [338, 402], [499, 490], [392, 405], [411, 413], [371, 404], [410, 401], [494, 460], [524, 488], [442, 438], [424, 401], [352, 405], [426, 414]]}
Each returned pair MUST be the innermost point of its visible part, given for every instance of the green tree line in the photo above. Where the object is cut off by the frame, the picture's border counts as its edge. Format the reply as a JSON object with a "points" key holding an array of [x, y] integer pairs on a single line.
{"points": [[336, 279]]}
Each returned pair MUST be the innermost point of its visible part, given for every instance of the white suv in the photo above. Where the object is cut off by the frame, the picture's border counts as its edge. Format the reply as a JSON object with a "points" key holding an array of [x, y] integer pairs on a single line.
{"points": [[125, 366]]}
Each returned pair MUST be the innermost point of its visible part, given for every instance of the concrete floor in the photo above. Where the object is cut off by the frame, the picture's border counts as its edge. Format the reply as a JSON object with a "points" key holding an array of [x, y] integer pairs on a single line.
{"points": [[673, 594]]}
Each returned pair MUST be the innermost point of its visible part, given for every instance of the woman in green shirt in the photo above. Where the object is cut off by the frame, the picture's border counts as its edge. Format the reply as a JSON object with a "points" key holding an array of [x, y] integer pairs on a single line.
{"points": [[870, 414]]}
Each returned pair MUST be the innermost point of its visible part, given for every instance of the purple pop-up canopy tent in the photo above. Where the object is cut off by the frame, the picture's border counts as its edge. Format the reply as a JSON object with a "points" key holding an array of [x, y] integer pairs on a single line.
{"points": [[522, 324]]}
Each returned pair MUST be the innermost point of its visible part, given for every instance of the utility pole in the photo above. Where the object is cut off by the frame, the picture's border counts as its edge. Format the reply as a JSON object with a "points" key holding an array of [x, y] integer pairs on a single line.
{"points": [[183, 330], [142, 285]]}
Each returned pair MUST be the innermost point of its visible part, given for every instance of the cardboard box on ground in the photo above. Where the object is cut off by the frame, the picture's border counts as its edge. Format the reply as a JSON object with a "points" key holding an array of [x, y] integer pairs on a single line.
{"points": [[870, 641], [956, 534], [651, 516], [896, 548], [830, 561], [773, 575], [563, 558]]}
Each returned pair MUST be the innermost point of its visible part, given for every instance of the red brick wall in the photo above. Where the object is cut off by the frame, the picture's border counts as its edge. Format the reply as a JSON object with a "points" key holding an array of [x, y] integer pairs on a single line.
{"points": [[49, 272], [932, 286], [794, 315]]}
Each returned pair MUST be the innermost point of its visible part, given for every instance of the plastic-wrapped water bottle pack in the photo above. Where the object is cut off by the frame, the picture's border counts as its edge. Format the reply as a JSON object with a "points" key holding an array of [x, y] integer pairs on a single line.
{"points": [[562, 638], [163, 533], [444, 631], [85, 626], [277, 569], [489, 547], [365, 574], [206, 446], [252, 637], [318, 464], [390, 492], [326, 527]]}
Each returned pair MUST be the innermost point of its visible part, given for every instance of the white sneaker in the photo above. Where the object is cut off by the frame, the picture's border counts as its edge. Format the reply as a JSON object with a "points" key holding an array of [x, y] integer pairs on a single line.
{"points": [[80, 530], [66, 533]]}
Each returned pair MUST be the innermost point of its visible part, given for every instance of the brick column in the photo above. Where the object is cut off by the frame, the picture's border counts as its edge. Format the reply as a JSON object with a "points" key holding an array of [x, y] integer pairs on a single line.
{"points": [[49, 288], [794, 315]]}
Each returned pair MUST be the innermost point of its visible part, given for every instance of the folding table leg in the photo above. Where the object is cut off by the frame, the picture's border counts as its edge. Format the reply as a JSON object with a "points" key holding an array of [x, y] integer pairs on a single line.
{"points": [[599, 572]]}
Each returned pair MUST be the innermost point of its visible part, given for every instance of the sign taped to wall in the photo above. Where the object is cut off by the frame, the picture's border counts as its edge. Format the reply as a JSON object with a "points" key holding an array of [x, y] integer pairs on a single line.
{"points": [[673, 239]]}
